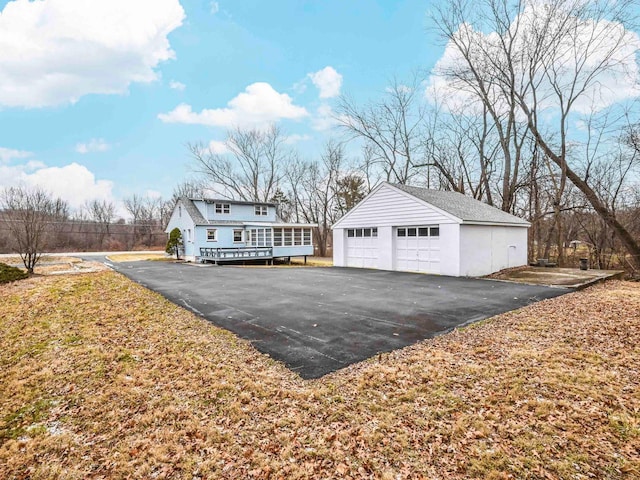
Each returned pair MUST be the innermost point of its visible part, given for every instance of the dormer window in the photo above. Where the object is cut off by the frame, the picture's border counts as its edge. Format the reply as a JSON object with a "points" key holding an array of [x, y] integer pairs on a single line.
{"points": [[223, 208], [261, 210]]}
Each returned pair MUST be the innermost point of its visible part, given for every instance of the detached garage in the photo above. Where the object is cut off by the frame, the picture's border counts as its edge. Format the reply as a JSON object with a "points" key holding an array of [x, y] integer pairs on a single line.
{"points": [[411, 229]]}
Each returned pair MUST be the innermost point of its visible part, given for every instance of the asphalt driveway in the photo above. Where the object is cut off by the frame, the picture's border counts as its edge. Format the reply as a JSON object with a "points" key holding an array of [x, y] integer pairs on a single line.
{"points": [[317, 320]]}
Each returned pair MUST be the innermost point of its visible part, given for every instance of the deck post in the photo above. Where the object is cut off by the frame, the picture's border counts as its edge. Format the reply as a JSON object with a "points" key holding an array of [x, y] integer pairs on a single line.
{"points": [[305, 259]]}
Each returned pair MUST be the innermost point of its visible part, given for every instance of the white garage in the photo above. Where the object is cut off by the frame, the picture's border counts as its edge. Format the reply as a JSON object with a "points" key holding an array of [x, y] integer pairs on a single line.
{"points": [[411, 229]]}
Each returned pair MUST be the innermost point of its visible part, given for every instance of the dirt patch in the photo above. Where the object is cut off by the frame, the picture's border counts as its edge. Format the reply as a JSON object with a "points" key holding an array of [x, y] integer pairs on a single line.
{"points": [[101, 378]]}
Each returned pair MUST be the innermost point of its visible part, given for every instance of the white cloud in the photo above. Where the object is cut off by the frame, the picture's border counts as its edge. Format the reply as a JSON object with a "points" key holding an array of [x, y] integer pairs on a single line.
{"points": [[215, 7], [177, 85], [74, 183], [53, 52], [324, 119], [93, 145], [153, 194], [218, 147], [328, 81], [258, 106], [614, 47], [8, 154], [295, 138]]}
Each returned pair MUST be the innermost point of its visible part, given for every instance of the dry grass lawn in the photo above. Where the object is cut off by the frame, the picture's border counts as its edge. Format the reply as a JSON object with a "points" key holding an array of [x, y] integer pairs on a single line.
{"points": [[136, 257], [100, 378]]}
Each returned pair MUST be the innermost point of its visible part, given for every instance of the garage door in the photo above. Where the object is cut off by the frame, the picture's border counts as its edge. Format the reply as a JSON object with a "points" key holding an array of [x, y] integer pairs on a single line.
{"points": [[417, 249], [362, 247]]}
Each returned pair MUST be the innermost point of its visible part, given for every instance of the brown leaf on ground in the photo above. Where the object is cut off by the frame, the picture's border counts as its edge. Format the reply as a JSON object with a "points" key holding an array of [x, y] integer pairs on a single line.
{"points": [[100, 378]]}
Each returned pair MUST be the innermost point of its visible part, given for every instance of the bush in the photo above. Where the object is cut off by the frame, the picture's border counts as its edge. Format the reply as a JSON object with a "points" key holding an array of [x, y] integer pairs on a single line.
{"points": [[11, 274]]}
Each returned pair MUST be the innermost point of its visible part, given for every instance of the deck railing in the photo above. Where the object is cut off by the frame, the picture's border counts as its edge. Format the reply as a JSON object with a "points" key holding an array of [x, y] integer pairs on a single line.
{"points": [[231, 254]]}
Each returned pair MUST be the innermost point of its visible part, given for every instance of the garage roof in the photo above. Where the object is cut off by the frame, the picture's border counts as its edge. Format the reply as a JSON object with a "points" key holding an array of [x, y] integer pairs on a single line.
{"points": [[466, 208]]}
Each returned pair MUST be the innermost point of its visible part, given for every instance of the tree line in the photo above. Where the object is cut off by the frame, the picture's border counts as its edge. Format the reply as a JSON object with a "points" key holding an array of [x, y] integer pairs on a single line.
{"points": [[529, 110], [33, 221], [525, 118]]}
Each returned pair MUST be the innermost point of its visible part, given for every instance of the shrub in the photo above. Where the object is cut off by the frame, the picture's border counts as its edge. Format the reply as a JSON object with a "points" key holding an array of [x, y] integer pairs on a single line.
{"points": [[11, 274]]}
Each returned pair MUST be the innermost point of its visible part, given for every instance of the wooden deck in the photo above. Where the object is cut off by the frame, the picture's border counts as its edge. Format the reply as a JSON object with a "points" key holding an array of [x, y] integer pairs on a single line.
{"points": [[234, 254]]}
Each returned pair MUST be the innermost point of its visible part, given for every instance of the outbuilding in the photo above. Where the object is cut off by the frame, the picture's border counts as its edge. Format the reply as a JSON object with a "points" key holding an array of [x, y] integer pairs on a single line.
{"points": [[399, 227]]}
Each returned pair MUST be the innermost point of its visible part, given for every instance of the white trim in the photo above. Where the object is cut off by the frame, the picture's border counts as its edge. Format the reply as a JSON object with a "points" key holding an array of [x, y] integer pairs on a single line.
{"points": [[498, 224]]}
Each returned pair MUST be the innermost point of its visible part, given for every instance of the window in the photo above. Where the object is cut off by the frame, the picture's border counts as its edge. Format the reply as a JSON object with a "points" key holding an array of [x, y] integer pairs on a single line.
{"points": [[238, 233], [307, 236], [259, 237], [362, 232], [287, 237], [261, 209], [423, 232], [277, 237], [212, 234], [411, 232], [297, 236], [180, 212], [223, 208], [402, 232], [434, 231]]}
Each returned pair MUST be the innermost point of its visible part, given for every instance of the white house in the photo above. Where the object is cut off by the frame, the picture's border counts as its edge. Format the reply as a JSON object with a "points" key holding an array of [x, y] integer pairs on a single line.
{"points": [[397, 227], [216, 230]]}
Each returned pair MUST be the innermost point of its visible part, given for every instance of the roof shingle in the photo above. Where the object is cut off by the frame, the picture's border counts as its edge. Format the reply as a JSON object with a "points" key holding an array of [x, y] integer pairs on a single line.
{"points": [[466, 208]]}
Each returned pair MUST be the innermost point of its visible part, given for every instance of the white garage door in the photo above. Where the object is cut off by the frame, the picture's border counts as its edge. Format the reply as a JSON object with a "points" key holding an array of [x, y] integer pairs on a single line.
{"points": [[362, 247], [417, 249]]}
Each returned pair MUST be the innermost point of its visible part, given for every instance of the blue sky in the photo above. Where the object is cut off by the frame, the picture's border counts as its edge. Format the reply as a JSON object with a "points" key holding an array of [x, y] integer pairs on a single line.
{"points": [[100, 100]]}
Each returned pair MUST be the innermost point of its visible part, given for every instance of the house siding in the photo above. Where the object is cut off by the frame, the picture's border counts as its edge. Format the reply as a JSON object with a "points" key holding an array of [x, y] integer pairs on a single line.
{"points": [[388, 207], [237, 212], [180, 219]]}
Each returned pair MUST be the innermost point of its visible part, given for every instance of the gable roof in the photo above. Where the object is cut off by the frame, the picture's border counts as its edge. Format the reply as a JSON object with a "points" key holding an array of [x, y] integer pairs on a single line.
{"points": [[466, 208], [193, 211]]}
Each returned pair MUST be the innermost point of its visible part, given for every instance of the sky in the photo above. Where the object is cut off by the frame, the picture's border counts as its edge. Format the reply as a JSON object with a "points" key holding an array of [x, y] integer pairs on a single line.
{"points": [[98, 99]]}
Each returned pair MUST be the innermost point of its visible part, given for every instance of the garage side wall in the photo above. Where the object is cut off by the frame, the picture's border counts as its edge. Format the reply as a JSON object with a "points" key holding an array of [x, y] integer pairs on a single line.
{"points": [[488, 249]]}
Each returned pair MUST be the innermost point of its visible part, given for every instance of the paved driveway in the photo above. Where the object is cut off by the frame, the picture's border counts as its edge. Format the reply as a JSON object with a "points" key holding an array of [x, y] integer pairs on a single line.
{"points": [[317, 320]]}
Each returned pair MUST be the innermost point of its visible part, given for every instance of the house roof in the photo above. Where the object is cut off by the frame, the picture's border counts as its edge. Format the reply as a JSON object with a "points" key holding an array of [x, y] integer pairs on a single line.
{"points": [[193, 211], [466, 208], [233, 202]]}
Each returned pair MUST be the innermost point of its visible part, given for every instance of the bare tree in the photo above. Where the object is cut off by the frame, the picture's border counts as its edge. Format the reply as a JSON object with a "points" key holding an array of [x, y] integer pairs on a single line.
{"points": [[314, 191], [544, 62], [251, 169], [146, 217], [103, 213], [189, 189], [392, 129], [32, 217]]}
